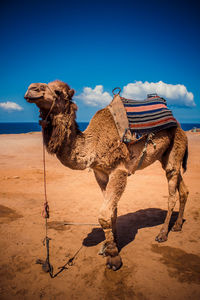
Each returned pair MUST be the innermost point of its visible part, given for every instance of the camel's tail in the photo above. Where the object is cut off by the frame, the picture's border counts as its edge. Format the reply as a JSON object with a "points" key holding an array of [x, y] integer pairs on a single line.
{"points": [[185, 158]]}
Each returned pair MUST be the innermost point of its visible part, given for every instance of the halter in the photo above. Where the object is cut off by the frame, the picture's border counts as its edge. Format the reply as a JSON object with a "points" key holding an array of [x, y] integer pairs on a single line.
{"points": [[43, 123]]}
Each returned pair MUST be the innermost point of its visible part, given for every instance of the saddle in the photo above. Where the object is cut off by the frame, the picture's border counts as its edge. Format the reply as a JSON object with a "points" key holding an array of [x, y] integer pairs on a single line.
{"points": [[136, 118]]}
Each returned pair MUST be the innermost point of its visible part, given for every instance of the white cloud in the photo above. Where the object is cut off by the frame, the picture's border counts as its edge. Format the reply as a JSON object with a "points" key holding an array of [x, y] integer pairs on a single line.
{"points": [[10, 106], [175, 94], [95, 97]]}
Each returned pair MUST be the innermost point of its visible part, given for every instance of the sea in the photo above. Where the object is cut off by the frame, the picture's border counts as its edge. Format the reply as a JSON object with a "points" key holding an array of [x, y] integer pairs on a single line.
{"points": [[23, 127], [16, 128]]}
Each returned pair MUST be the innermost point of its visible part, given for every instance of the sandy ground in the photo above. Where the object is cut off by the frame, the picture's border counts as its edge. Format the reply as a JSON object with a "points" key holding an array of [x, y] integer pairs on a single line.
{"points": [[170, 270]]}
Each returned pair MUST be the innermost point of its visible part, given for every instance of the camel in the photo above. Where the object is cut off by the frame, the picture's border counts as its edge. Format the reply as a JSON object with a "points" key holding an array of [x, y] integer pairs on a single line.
{"points": [[99, 148]]}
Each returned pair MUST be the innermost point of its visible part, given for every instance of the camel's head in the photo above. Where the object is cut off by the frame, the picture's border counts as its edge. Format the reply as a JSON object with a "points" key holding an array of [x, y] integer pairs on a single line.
{"points": [[55, 96]]}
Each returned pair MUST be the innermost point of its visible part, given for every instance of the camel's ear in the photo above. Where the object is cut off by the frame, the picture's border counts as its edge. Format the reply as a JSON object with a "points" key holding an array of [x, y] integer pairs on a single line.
{"points": [[71, 93]]}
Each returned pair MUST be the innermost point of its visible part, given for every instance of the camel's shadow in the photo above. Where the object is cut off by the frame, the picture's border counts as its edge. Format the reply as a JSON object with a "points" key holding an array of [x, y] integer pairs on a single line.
{"points": [[128, 225]]}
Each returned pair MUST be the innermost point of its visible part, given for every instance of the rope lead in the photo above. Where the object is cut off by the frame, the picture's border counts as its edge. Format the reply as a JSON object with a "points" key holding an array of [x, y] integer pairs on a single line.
{"points": [[46, 266]]}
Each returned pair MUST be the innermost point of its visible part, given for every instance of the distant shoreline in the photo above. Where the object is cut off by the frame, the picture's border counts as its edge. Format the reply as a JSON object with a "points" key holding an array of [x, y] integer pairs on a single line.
{"points": [[26, 127]]}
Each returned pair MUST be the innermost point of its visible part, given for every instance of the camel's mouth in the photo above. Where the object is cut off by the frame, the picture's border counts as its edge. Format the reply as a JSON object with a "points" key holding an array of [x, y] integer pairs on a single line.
{"points": [[38, 98], [33, 96], [33, 99]]}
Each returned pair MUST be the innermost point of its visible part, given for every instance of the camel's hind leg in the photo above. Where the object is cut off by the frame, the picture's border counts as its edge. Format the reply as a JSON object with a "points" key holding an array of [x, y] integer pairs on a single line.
{"points": [[108, 214], [172, 177], [183, 194], [171, 163]]}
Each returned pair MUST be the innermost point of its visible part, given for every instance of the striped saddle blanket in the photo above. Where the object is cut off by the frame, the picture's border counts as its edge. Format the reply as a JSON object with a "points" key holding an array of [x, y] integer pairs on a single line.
{"points": [[149, 115]]}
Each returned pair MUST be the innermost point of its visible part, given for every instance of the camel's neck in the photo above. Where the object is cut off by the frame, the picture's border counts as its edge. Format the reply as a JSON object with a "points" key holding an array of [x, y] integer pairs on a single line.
{"points": [[63, 138]]}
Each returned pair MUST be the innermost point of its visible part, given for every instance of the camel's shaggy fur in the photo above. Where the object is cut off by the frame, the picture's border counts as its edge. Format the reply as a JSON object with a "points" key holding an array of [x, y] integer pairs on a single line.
{"points": [[99, 148]]}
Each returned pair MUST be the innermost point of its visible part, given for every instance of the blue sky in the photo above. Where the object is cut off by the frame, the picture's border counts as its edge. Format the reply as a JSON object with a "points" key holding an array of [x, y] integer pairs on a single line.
{"points": [[95, 46]]}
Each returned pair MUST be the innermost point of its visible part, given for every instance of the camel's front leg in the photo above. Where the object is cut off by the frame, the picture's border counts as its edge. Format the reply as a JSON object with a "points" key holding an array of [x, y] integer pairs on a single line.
{"points": [[108, 215]]}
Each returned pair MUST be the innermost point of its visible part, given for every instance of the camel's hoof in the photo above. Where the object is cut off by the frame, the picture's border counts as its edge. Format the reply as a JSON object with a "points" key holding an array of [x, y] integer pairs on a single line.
{"points": [[161, 238], [176, 227], [114, 263], [108, 266]]}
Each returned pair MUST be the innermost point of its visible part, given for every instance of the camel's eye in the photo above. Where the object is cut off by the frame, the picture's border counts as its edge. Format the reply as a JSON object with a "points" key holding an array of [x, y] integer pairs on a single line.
{"points": [[42, 88], [34, 88]]}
